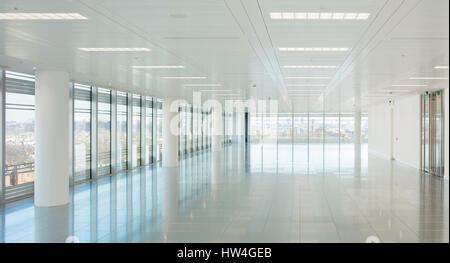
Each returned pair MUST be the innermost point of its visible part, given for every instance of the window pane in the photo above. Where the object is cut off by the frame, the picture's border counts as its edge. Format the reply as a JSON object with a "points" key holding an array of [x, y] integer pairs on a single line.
{"points": [[104, 131], [285, 143], [122, 111], [194, 129], [347, 152], [316, 142], [331, 142], [300, 141], [136, 157], [82, 132], [19, 137], [182, 132], [189, 129], [159, 138], [149, 129]]}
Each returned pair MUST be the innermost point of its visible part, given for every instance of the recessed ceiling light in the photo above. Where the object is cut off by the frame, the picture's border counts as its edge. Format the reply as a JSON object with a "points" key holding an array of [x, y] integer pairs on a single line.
{"points": [[157, 67], [202, 85], [381, 91], [300, 92], [408, 85], [441, 67], [226, 94], [183, 77], [430, 78], [310, 66], [41, 16], [307, 78], [113, 49], [306, 85], [313, 49], [216, 90], [318, 16]]}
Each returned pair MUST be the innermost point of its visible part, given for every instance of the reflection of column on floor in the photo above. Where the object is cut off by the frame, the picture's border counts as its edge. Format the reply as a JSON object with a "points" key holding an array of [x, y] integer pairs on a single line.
{"points": [[216, 171], [130, 206], [2, 227], [169, 202], [51, 224], [357, 142], [94, 211], [113, 208]]}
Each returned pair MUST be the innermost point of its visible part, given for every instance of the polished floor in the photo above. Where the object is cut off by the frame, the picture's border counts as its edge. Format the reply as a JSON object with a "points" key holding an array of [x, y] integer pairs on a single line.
{"points": [[247, 194]]}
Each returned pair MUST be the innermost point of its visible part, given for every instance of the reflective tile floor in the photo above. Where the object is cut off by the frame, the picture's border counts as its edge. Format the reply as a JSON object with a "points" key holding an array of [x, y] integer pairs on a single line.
{"points": [[252, 194]]}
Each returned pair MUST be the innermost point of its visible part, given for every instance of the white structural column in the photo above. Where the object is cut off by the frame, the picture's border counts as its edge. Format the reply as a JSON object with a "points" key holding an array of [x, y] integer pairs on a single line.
{"points": [[51, 183], [217, 123], [357, 139], [169, 133], [240, 127]]}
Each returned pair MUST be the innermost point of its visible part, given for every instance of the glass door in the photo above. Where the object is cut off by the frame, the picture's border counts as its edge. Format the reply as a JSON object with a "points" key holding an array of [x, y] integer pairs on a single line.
{"points": [[432, 133]]}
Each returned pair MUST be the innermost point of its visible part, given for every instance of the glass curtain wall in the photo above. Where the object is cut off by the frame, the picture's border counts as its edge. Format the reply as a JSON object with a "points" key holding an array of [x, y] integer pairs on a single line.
{"points": [[313, 143], [122, 120], [332, 144], [300, 142], [104, 131], [182, 131], [19, 135], [194, 129], [316, 146], [159, 119], [188, 128], [82, 131], [347, 149], [136, 134], [149, 129], [285, 146]]}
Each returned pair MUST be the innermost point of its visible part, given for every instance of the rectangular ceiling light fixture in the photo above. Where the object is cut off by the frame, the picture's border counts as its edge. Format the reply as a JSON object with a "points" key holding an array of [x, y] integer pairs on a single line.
{"points": [[409, 85], [313, 49], [183, 77], [113, 49], [390, 91], [306, 85], [310, 66], [157, 67], [429, 78], [441, 67], [216, 90], [202, 85], [305, 90], [41, 16], [318, 16], [307, 78]]}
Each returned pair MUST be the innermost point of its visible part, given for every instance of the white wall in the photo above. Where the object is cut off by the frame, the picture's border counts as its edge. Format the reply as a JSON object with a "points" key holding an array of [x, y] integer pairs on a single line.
{"points": [[379, 130], [407, 131], [396, 135]]}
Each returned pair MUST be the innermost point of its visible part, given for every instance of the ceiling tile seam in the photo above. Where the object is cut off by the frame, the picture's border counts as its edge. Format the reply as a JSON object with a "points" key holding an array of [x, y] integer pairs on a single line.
{"points": [[273, 50], [243, 33], [274, 69]]}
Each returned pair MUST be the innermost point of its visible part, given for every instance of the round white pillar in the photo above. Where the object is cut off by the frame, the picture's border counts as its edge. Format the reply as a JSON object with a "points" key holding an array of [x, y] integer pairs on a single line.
{"points": [[217, 123], [240, 127], [357, 140], [51, 183], [170, 133]]}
